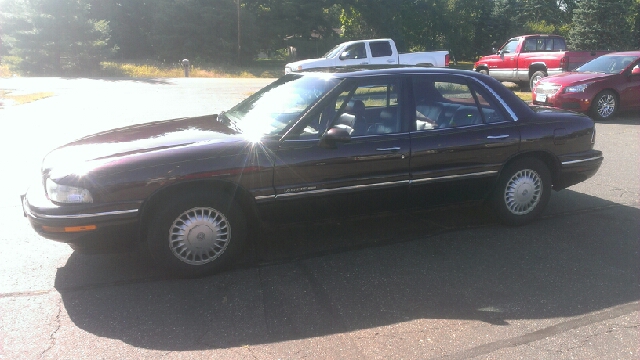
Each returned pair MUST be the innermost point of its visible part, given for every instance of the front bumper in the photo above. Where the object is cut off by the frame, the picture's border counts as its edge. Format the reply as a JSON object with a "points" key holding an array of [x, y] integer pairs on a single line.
{"points": [[567, 101], [84, 225], [576, 168]]}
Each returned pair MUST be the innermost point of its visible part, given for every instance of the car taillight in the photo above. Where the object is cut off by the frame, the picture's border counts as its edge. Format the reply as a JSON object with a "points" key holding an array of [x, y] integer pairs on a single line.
{"points": [[563, 63], [446, 60]]}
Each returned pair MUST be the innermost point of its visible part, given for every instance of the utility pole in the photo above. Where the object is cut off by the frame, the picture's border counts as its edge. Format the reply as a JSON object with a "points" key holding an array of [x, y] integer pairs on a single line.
{"points": [[238, 2]]}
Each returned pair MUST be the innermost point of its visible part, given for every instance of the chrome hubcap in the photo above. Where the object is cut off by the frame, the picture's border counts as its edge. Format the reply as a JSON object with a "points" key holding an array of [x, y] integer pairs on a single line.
{"points": [[199, 235], [606, 105], [523, 192]]}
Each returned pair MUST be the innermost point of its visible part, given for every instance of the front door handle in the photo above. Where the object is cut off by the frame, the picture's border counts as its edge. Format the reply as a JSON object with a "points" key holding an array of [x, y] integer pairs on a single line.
{"points": [[497, 136]]}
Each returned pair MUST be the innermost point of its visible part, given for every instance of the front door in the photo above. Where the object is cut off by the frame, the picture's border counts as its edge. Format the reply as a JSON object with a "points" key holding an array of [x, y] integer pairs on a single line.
{"points": [[504, 66], [374, 162], [630, 89], [354, 54]]}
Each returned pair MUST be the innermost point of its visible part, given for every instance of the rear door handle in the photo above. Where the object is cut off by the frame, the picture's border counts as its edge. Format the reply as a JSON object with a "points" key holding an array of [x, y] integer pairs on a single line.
{"points": [[497, 136]]}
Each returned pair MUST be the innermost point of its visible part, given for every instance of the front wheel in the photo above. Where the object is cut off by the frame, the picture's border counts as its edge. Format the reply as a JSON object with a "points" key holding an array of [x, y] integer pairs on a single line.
{"points": [[536, 77], [523, 191], [197, 235], [484, 72], [604, 105]]}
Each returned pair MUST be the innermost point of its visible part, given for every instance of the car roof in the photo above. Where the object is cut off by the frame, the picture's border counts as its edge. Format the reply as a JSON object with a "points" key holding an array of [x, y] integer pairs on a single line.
{"points": [[517, 105], [373, 70], [624, 53]]}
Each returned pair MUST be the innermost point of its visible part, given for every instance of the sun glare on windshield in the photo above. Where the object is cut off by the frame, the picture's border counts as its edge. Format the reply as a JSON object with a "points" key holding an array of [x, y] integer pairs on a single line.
{"points": [[277, 107]]}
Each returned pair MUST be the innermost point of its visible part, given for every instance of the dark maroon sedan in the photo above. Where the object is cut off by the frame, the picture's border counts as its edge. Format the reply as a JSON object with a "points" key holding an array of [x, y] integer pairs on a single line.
{"points": [[188, 189], [600, 87]]}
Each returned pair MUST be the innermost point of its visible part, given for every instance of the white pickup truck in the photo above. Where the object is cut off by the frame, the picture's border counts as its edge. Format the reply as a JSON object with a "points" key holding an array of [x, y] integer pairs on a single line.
{"points": [[370, 52]]}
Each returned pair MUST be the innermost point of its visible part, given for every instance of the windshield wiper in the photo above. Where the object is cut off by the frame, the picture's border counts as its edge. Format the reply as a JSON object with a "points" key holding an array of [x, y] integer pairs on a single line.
{"points": [[225, 119], [222, 116]]}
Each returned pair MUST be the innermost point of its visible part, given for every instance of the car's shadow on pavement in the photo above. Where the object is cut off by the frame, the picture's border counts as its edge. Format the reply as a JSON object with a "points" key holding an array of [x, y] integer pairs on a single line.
{"points": [[629, 117], [315, 279]]}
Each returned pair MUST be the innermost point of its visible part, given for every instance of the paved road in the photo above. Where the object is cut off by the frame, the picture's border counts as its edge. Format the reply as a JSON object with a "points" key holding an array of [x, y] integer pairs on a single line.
{"points": [[448, 284]]}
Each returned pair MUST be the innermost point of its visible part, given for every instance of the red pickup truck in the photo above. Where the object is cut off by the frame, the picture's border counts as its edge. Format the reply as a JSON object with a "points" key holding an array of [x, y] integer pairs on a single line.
{"points": [[532, 57]]}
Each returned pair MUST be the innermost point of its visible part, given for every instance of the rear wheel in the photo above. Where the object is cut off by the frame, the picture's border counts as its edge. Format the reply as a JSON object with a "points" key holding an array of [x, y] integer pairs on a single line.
{"points": [[604, 105], [536, 77], [523, 191], [198, 234]]}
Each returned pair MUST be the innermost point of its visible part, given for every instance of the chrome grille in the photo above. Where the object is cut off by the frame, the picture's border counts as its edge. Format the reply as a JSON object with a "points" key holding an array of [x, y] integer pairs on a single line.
{"points": [[550, 89]]}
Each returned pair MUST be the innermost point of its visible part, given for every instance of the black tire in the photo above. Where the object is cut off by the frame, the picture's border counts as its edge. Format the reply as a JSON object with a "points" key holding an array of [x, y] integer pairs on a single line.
{"points": [[536, 77], [524, 189], [484, 71], [604, 105], [198, 234]]}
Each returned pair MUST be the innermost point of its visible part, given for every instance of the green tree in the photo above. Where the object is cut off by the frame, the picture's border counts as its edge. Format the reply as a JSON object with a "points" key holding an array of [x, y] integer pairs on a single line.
{"points": [[56, 37], [469, 31], [307, 25], [636, 31], [602, 25], [131, 23], [424, 25]]}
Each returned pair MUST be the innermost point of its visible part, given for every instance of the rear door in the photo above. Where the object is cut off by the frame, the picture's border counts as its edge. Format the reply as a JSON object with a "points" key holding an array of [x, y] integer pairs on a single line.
{"points": [[382, 53], [461, 139]]}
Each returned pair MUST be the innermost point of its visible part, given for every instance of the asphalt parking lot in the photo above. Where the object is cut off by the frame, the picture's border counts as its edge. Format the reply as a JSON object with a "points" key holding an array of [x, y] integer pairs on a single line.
{"points": [[413, 284]]}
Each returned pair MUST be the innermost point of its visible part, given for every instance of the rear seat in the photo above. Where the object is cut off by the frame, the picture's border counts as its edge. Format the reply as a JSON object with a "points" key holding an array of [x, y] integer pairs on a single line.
{"points": [[464, 116]]}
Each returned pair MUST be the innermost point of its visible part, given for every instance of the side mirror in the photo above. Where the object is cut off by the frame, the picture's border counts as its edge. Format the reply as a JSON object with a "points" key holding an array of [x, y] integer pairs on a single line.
{"points": [[333, 136], [636, 70], [344, 55], [495, 51]]}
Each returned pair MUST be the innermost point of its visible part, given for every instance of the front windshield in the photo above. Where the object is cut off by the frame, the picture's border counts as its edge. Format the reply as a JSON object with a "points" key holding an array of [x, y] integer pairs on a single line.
{"points": [[510, 46], [331, 53], [608, 64], [273, 109]]}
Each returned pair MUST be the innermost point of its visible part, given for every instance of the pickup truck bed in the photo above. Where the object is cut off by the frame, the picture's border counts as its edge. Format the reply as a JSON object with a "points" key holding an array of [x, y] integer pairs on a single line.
{"points": [[529, 58]]}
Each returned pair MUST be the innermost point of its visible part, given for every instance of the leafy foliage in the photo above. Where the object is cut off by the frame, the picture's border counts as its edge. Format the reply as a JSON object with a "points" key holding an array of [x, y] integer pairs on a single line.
{"points": [[57, 37], [73, 36], [602, 25]]}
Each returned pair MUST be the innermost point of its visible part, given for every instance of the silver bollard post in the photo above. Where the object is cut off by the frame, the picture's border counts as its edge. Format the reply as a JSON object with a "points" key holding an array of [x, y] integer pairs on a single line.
{"points": [[186, 67]]}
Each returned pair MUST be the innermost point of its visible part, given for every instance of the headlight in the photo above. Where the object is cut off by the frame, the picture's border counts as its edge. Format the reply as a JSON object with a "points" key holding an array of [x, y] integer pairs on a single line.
{"points": [[576, 88], [67, 194]]}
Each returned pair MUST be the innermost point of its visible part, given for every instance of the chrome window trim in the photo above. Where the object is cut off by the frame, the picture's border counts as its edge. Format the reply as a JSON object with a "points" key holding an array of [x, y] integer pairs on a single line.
{"points": [[582, 160], [500, 99], [376, 185]]}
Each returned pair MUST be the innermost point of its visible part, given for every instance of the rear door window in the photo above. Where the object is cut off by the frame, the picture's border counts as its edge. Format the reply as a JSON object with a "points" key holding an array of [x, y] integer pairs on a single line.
{"points": [[450, 102], [380, 48]]}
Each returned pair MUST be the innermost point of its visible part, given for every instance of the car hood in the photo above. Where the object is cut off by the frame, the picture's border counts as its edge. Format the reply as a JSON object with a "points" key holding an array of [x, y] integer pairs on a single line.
{"points": [[570, 78], [117, 144], [305, 63]]}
